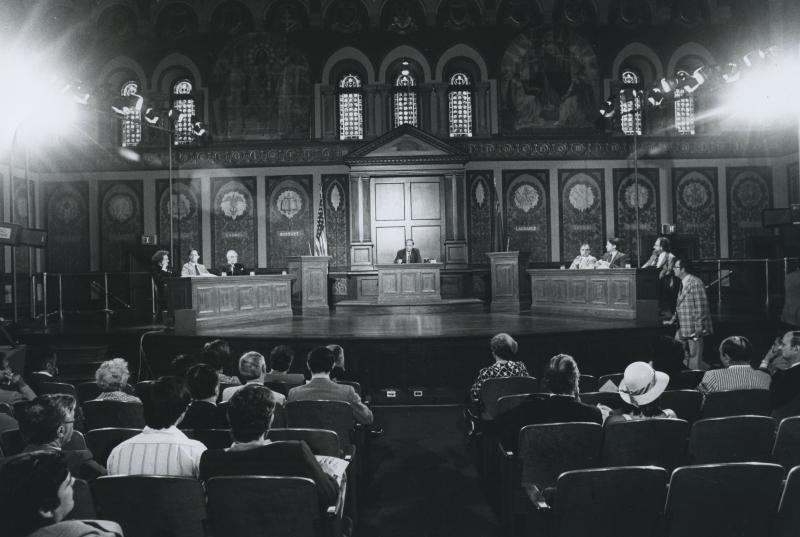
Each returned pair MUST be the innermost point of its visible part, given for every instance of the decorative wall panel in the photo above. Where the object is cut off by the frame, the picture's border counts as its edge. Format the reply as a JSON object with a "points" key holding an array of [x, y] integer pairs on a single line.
{"points": [[581, 199], [290, 226], [480, 215], [336, 198], [67, 220], [793, 187], [694, 202], [629, 194], [527, 213], [21, 217], [749, 193], [233, 220], [186, 217], [121, 222]]}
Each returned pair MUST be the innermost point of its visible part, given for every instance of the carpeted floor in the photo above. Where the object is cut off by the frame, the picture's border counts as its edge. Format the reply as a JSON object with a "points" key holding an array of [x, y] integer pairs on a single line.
{"points": [[421, 480]]}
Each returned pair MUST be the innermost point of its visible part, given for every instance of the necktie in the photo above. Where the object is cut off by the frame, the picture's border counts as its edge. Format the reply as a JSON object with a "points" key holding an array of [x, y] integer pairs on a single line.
{"points": [[408, 257], [196, 269], [231, 270]]}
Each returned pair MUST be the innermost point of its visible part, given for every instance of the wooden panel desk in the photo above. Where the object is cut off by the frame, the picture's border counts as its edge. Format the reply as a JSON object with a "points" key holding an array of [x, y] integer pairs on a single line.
{"points": [[603, 293], [413, 283], [232, 299]]}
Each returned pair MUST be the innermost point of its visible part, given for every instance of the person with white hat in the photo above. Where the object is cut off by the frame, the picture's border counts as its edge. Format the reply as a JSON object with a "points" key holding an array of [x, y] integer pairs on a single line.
{"points": [[641, 386]]}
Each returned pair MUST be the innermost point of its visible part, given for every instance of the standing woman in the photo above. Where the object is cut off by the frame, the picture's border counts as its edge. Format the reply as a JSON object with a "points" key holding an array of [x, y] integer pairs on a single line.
{"points": [[160, 271], [663, 259]]}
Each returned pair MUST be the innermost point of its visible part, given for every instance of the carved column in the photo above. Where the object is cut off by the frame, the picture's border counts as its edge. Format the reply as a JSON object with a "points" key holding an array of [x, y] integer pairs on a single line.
{"points": [[361, 247], [510, 284], [455, 243], [310, 289]]}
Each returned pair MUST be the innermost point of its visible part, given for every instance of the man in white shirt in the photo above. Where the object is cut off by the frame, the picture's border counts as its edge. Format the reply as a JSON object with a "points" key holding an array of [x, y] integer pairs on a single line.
{"points": [[193, 268], [161, 448], [253, 370]]}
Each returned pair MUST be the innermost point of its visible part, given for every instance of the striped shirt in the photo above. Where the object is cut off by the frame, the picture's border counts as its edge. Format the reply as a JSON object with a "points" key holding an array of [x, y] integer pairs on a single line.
{"points": [[735, 377], [157, 452]]}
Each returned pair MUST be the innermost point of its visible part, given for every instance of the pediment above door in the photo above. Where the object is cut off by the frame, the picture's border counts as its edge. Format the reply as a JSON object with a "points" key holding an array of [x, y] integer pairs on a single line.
{"points": [[406, 145]]}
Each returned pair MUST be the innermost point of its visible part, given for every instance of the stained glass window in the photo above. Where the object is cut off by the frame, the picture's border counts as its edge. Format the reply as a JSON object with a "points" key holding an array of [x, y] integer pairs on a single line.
{"points": [[684, 110], [405, 100], [459, 102], [131, 121], [183, 101], [351, 108], [630, 103]]}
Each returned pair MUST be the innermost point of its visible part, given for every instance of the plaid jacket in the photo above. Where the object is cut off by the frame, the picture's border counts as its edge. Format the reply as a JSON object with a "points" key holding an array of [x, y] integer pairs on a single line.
{"points": [[694, 317]]}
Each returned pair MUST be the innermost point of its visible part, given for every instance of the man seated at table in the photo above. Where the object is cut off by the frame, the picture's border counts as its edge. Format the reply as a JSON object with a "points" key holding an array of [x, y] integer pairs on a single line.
{"points": [[409, 254], [232, 267], [193, 268], [613, 258], [585, 260]]}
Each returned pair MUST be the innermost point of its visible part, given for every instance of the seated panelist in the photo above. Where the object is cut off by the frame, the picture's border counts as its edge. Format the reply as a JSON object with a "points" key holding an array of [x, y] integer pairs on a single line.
{"points": [[585, 260], [232, 267], [192, 268], [409, 254], [613, 258]]}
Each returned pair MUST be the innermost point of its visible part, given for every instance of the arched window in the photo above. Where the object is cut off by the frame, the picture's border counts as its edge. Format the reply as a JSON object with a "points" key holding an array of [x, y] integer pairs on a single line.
{"points": [[405, 99], [630, 103], [684, 108], [459, 103], [183, 101], [351, 108], [131, 121]]}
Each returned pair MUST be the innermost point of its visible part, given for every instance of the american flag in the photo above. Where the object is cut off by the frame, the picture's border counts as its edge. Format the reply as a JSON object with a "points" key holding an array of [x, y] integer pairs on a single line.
{"points": [[320, 237]]}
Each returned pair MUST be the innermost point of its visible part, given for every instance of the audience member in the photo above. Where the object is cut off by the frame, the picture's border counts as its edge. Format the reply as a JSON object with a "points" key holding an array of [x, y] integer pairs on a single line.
{"points": [[782, 362], [203, 412], [641, 386], [7, 423], [181, 364], [563, 404], [504, 349], [36, 494], [735, 353], [13, 387], [339, 371], [692, 315], [161, 448], [250, 412], [280, 360], [44, 370], [47, 424], [322, 388], [112, 376], [252, 369], [217, 354]]}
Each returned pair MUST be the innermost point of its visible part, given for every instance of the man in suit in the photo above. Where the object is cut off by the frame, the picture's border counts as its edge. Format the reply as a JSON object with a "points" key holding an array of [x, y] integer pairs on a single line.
{"points": [[280, 360], [232, 267], [322, 388], [409, 254], [251, 412], [692, 314], [193, 268], [783, 363], [203, 412], [252, 370], [45, 370], [613, 258]]}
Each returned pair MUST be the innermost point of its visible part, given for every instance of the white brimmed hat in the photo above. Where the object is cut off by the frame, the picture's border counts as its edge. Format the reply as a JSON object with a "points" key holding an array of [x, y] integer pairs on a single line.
{"points": [[641, 384]]}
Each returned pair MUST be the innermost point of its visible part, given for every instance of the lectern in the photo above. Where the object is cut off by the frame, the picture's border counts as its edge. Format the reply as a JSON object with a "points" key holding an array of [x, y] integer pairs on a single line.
{"points": [[510, 287], [310, 291]]}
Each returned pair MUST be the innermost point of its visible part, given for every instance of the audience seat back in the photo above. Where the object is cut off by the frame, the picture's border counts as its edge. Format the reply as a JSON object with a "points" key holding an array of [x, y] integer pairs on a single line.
{"points": [[658, 442], [211, 438], [495, 388], [5, 408], [507, 402], [320, 441], [732, 439], [786, 450], [11, 442], [788, 521], [84, 504], [587, 383], [609, 399], [547, 450], [58, 387], [737, 403], [336, 416], [686, 403], [688, 379], [102, 441], [99, 414], [356, 386]]}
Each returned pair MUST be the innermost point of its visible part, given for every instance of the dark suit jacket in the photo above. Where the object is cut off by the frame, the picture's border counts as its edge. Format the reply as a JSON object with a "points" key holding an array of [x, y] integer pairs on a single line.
{"points": [[204, 415], [288, 458], [238, 269], [540, 408], [415, 257], [80, 462], [619, 260], [785, 386]]}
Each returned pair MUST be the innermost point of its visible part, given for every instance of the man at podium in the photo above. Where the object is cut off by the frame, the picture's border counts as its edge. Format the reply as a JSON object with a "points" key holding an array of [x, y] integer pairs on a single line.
{"points": [[409, 254]]}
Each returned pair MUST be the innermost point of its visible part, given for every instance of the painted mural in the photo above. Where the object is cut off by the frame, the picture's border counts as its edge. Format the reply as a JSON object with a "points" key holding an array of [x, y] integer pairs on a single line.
{"points": [[527, 213], [548, 80], [335, 193], [186, 219], [121, 222], [261, 89], [481, 219], [581, 200], [631, 192], [233, 220], [290, 226], [694, 198], [67, 218], [749, 193]]}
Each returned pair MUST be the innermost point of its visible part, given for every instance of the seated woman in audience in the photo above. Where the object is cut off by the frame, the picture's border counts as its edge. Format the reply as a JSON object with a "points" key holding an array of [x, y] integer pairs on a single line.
{"points": [[13, 387], [35, 496], [504, 350], [112, 377], [736, 354], [217, 354], [641, 386]]}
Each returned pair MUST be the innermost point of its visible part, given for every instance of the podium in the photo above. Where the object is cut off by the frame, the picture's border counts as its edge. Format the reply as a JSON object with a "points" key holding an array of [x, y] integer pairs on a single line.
{"points": [[510, 289], [413, 283], [310, 291]]}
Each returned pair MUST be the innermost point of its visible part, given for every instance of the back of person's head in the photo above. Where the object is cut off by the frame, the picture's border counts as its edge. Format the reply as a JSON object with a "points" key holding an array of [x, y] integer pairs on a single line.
{"points": [[44, 361], [503, 346], [41, 418], [29, 492], [216, 353], [738, 349], [166, 402], [112, 375], [668, 355], [337, 351], [250, 412], [252, 365], [561, 375], [281, 357], [202, 381], [320, 360], [181, 364], [685, 264]]}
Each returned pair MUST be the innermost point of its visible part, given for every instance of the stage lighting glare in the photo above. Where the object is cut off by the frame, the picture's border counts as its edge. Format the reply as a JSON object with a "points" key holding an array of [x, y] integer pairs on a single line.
{"points": [[127, 104], [667, 85], [129, 154], [731, 73]]}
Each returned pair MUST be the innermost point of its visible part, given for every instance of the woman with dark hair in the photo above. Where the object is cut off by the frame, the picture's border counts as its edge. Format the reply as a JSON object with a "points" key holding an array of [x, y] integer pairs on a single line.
{"points": [[663, 259], [217, 354], [160, 271]]}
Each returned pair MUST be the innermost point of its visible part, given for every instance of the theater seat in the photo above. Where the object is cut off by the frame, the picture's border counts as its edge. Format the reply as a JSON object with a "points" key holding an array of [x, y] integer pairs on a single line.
{"points": [[211, 438], [320, 441], [84, 504], [334, 416], [99, 414], [787, 523], [495, 388], [658, 442], [786, 450], [685, 403], [56, 388], [732, 439], [737, 403], [102, 441]]}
